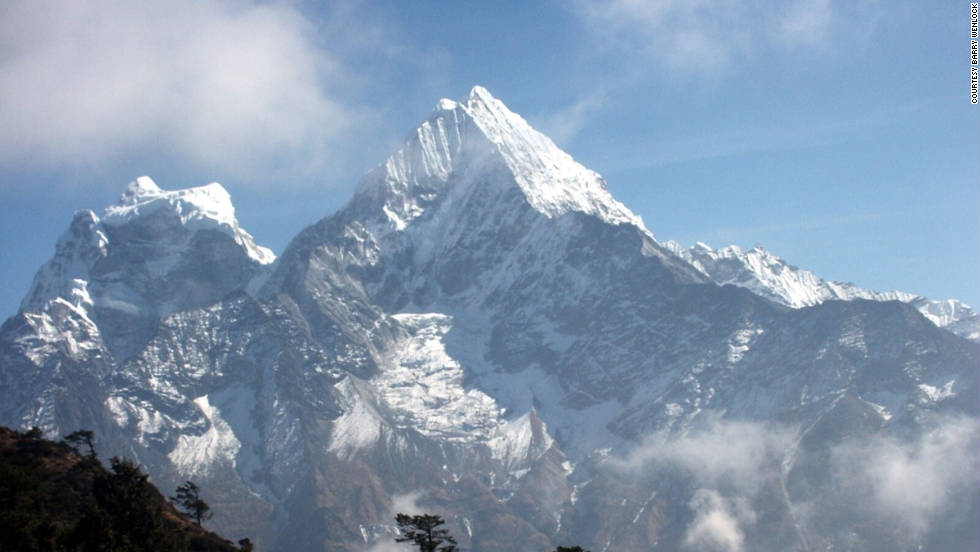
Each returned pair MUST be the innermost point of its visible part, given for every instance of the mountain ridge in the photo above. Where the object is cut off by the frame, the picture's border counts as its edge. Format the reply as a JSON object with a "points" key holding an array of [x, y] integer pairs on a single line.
{"points": [[770, 276], [492, 353]]}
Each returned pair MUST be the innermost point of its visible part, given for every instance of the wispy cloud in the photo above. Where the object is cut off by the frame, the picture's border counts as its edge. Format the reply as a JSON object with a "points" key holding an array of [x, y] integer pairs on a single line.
{"points": [[407, 504], [563, 124], [722, 236], [682, 35], [719, 453], [902, 486], [381, 538], [911, 484], [730, 462], [716, 525], [719, 143], [806, 22], [235, 87], [701, 37]]}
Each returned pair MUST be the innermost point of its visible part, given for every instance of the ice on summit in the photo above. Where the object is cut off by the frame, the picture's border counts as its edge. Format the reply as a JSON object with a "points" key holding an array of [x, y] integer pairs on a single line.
{"points": [[206, 207], [462, 138], [145, 258], [554, 182]]}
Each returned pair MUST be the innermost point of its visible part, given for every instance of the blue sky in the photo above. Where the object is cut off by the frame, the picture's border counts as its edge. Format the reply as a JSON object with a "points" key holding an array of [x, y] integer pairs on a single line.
{"points": [[838, 134]]}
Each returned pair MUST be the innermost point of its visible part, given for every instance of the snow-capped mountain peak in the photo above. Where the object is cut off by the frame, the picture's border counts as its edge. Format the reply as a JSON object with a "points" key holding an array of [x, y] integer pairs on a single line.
{"points": [[65, 275], [554, 182], [465, 142], [206, 207], [768, 275]]}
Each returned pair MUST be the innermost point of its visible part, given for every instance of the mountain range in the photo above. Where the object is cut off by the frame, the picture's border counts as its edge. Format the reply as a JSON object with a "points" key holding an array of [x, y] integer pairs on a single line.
{"points": [[485, 333]]}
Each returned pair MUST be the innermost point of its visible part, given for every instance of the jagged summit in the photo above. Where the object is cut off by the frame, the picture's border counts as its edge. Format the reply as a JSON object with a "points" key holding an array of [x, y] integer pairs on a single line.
{"points": [[478, 141], [477, 93], [150, 232], [206, 207]]}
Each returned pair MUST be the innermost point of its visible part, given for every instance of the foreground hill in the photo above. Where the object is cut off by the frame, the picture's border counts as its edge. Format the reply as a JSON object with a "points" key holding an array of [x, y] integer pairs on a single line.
{"points": [[52, 498]]}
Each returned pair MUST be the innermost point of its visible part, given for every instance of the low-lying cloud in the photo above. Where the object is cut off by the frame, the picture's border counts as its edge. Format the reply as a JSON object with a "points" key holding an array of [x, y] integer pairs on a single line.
{"points": [[729, 463], [912, 483], [382, 538], [719, 453], [717, 522], [882, 490]]}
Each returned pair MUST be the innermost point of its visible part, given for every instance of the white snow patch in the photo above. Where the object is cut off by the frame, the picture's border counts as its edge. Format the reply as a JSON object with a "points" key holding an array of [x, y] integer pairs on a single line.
{"points": [[740, 342], [206, 207], [423, 386], [195, 454], [117, 406], [930, 393], [359, 427], [881, 410], [514, 443], [61, 325]]}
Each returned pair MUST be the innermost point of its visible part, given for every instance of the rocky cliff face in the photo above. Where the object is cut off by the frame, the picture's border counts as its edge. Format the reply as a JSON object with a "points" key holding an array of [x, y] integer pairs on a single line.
{"points": [[486, 333]]}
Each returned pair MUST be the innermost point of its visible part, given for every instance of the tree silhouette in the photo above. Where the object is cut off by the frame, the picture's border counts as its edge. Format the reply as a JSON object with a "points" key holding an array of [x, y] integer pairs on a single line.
{"points": [[189, 499], [424, 532], [83, 437], [570, 549], [34, 433]]}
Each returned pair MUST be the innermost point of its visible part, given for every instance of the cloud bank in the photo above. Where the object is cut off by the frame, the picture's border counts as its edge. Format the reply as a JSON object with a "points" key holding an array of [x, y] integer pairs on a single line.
{"points": [[228, 85], [911, 484], [876, 491], [729, 464]]}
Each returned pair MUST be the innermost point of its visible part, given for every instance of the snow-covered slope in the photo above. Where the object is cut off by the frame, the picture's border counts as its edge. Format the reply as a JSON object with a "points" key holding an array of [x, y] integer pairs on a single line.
{"points": [[153, 253], [768, 275], [484, 332], [470, 137]]}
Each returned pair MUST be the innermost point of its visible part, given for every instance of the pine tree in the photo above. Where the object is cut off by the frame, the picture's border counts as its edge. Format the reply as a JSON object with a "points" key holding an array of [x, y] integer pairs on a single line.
{"points": [[424, 532], [189, 499], [80, 437]]}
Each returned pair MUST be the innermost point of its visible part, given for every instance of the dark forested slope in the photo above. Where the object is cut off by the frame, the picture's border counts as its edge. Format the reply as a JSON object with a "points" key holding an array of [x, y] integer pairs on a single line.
{"points": [[56, 497]]}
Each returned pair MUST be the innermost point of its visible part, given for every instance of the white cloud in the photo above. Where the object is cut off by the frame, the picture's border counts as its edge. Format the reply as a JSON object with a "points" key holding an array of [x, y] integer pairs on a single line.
{"points": [[407, 504], [730, 463], [382, 538], [564, 124], [389, 545], [683, 35], [228, 85], [740, 455], [806, 22], [911, 484], [706, 37], [715, 527], [885, 487]]}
